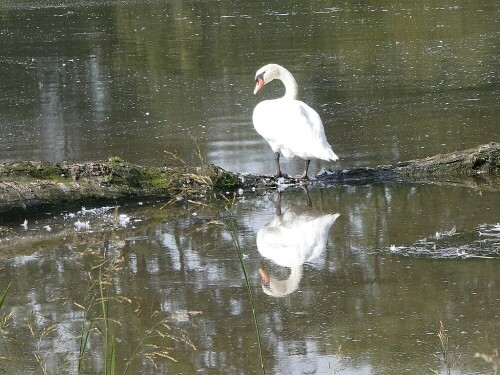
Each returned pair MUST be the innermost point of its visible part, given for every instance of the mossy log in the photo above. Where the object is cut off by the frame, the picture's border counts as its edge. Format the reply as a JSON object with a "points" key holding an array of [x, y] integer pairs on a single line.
{"points": [[31, 188]]}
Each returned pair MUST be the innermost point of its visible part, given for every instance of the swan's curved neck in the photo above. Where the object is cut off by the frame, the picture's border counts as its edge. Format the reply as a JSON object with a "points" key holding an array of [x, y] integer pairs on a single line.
{"points": [[291, 88]]}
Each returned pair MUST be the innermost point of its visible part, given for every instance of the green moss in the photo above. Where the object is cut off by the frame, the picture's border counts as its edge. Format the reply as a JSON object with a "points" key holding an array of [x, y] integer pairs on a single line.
{"points": [[227, 180], [115, 161], [153, 178], [42, 171], [47, 172], [147, 178]]}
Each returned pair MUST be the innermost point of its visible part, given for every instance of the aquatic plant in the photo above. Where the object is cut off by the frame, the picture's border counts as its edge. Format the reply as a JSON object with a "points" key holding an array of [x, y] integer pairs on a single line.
{"points": [[450, 359], [234, 235], [150, 351], [109, 362], [99, 322], [34, 321], [4, 320], [99, 294]]}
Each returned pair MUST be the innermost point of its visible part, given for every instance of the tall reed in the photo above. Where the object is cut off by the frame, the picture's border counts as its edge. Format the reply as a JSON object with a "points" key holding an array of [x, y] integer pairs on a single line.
{"points": [[109, 363], [234, 235]]}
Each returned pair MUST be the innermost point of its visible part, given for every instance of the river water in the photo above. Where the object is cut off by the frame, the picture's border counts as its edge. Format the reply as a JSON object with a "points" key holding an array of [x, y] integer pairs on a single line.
{"points": [[162, 82]]}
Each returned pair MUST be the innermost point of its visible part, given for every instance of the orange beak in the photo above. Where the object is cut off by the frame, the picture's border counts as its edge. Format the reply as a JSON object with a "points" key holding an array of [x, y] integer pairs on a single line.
{"points": [[260, 83], [265, 277]]}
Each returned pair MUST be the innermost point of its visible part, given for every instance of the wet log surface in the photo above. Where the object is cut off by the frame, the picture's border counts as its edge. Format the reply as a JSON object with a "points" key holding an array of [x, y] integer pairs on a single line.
{"points": [[32, 188]]}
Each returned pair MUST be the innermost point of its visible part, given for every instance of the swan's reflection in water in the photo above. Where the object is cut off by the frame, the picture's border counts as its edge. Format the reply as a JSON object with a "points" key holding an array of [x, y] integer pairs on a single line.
{"points": [[292, 238]]}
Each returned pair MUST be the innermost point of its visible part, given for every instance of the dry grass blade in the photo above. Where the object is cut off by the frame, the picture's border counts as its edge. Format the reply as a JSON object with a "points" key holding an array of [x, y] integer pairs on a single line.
{"points": [[151, 351], [4, 320], [443, 339], [174, 158], [341, 358], [450, 359]]}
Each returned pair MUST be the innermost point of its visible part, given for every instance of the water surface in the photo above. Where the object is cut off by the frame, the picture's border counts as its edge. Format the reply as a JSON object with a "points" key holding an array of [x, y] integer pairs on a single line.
{"points": [[392, 81], [356, 307]]}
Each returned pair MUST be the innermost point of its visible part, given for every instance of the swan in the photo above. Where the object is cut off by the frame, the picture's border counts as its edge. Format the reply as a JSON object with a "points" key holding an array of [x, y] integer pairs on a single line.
{"points": [[291, 239], [290, 126]]}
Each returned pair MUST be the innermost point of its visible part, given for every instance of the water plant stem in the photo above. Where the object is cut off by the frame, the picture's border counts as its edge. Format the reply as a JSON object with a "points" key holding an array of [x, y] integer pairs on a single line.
{"points": [[84, 339], [4, 320], [4, 295], [110, 363], [234, 235]]}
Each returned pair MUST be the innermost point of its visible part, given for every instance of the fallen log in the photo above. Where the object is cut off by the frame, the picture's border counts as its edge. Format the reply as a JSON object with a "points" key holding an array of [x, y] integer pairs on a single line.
{"points": [[480, 164], [33, 188]]}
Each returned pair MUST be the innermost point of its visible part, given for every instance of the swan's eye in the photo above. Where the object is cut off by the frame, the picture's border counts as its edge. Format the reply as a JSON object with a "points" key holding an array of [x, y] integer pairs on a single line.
{"points": [[260, 76]]}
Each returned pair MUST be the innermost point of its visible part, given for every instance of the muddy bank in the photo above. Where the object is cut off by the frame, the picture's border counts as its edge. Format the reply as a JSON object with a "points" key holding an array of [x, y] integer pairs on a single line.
{"points": [[33, 188]]}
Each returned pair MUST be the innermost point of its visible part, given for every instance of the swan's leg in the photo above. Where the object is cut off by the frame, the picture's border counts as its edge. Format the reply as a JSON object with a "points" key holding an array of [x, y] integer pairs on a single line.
{"points": [[304, 176], [278, 212], [277, 161], [309, 202]]}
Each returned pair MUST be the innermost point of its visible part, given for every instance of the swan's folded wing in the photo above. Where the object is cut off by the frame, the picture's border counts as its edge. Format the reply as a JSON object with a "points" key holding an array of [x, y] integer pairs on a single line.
{"points": [[292, 127]]}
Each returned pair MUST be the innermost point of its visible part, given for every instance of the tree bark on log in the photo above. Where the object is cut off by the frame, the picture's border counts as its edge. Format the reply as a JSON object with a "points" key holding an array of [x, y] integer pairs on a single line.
{"points": [[33, 188]]}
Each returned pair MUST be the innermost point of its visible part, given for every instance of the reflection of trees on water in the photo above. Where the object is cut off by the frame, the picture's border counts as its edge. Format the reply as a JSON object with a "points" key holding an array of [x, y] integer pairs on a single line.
{"points": [[61, 133], [187, 268], [147, 72]]}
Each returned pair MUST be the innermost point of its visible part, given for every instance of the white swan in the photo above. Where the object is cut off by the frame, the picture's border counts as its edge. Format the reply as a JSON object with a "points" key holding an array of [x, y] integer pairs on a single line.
{"points": [[290, 240], [290, 126]]}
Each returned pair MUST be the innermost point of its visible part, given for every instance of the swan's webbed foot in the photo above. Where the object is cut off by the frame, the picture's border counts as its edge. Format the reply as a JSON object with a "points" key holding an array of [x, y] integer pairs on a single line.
{"points": [[302, 176]]}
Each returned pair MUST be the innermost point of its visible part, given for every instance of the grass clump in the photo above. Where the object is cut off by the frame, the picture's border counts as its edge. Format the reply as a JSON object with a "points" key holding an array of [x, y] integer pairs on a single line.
{"points": [[103, 313], [101, 322]]}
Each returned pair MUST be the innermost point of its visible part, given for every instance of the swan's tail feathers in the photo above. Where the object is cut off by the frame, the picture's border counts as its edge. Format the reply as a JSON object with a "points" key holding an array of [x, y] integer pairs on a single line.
{"points": [[330, 155], [334, 157]]}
